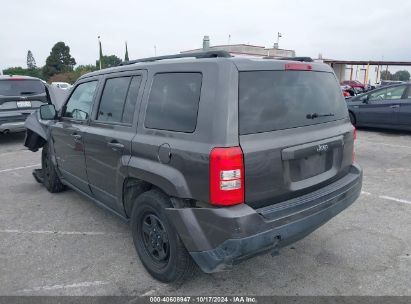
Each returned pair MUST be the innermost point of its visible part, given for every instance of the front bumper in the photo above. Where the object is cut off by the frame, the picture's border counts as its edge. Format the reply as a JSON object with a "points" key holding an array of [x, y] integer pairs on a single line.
{"points": [[218, 238]]}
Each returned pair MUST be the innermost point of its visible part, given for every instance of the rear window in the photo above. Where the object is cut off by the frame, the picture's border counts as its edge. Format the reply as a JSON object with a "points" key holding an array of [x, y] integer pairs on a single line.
{"points": [[17, 87], [276, 100], [173, 102]]}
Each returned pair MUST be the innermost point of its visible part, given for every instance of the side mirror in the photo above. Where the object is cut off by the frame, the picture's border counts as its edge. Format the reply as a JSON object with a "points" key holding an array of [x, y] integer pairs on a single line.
{"points": [[48, 112], [364, 99]]}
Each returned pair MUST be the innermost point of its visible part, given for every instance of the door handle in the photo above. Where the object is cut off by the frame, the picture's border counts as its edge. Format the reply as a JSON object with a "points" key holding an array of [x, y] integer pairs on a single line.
{"points": [[115, 145], [394, 106]]}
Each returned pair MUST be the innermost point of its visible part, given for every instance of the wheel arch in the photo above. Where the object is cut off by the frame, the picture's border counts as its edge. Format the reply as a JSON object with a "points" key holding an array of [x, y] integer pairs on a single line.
{"points": [[144, 175]]}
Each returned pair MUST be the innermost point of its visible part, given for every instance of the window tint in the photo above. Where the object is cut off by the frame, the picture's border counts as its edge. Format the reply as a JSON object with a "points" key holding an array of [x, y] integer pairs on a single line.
{"points": [[173, 102], [408, 93], [275, 100], [119, 99], [387, 94], [81, 101], [112, 99], [17, 87], [377, 95], [395, 93], [131, 100]]}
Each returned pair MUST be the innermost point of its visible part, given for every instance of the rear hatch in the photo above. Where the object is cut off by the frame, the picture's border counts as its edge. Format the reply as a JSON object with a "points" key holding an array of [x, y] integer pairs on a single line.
{"points": [[20, 94], [293, 130]]}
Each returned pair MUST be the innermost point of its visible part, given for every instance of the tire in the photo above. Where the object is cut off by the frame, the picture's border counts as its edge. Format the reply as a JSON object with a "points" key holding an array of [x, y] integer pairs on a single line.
{"points": [[50, 178], [157, 243], [352, 118]]}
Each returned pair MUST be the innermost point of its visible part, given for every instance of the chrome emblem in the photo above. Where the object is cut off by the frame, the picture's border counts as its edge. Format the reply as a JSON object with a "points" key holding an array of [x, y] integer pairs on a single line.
{"points": [[322, 148]]}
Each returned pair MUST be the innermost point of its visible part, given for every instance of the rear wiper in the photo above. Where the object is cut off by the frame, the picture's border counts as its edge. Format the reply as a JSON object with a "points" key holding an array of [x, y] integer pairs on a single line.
{"points": [[316, 115], [27, 93]]}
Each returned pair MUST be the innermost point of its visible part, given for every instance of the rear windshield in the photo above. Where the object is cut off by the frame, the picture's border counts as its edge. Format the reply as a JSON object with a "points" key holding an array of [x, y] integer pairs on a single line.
{"points": [[17, 87], [276, 100]]}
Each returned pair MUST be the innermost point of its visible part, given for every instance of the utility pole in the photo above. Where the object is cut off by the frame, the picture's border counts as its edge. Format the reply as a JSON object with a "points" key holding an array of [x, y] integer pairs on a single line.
{"points": [[278, 39], [155, 50], [100, 51]]}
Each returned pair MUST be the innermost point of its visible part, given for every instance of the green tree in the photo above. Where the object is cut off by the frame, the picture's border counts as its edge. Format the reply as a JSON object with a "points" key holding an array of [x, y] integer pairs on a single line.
{"points": [[59, 60], [31, 62], [108, 61], [23, 72], [402, 75], [386, 75], [126, 55]]}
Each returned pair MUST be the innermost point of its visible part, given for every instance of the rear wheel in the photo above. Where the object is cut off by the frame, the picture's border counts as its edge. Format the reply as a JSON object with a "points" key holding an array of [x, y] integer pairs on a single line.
{"points": [[352, 118], [50, 178], [157, 242]]}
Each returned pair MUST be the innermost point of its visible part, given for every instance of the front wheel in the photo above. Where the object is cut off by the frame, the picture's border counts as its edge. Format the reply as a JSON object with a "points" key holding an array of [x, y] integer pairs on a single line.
{"points": [[157, 242], [50, 178], [352, 118]]}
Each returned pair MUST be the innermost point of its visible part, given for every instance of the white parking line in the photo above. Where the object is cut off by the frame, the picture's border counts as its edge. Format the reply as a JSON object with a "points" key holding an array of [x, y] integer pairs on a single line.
{"points": [[399, 200], [19, 168], [61, 232], [14, 152], [365, 193], [61, 286]]}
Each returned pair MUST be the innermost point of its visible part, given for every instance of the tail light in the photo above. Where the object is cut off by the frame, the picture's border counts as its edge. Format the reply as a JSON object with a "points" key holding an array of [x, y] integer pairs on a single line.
{"points": [[226, 176], [353, 145]]}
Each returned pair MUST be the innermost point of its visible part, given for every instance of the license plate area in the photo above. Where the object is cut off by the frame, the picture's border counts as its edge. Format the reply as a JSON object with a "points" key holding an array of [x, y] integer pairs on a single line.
{"points": [[309, 166], [23, 104]]}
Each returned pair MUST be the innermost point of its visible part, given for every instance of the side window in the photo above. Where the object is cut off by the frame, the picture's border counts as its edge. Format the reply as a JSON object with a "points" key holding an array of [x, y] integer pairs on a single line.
{"points": [[80, 103], [377, 96], [129, 107], [119, 99], [392, 93], [395, 93], [408, 96], [173, 102]]}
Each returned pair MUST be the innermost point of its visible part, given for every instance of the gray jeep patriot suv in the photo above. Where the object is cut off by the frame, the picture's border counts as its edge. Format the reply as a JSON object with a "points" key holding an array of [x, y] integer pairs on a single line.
{"points": [[213, 159]]}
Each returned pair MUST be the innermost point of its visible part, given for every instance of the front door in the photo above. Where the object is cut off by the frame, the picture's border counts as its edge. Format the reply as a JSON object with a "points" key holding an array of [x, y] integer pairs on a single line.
{"points": [[382, 106], [67, 134], [108, 138]]}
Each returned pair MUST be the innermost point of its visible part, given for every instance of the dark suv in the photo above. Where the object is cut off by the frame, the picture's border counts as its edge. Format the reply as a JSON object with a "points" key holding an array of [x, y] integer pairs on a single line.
{"points": [[213, 159], [19, 97]]}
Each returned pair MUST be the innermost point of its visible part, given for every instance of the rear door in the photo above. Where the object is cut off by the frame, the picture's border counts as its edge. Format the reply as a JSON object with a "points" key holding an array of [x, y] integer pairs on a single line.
{"points": [[404, 118], [294, 133], [108, 137], [68, 134], [382, 106]]}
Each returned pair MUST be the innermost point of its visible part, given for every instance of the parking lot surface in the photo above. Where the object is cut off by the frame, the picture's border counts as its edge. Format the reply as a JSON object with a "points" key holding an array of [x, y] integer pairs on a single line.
{"points": [[63, 244]]}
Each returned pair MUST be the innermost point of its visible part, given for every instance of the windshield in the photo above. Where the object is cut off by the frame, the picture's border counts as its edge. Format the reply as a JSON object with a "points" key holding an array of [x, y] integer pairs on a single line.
{"points": [[275, 100], [17, 87]]}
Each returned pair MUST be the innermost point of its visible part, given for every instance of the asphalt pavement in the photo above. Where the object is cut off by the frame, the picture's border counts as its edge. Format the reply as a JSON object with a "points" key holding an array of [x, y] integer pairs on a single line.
{"points": [[63, 244]]}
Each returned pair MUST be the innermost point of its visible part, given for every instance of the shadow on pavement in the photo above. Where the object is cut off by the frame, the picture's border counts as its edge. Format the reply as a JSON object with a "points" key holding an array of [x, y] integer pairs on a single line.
{"points": [[12, 138]]}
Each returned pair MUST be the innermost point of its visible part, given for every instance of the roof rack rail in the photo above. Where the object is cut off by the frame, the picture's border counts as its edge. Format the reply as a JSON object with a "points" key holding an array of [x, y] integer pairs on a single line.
{"points": [[198, 55], [303, 59]]}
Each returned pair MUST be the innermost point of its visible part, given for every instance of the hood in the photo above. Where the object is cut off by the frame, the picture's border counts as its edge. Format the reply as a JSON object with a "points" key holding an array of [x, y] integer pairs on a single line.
{"points": [[37, 130], [56, 96]]}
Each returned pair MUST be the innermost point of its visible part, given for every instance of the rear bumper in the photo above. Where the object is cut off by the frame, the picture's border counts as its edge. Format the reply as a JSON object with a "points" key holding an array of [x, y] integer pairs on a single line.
{"points": [[218, 238], [12, 126], [13, 121]]}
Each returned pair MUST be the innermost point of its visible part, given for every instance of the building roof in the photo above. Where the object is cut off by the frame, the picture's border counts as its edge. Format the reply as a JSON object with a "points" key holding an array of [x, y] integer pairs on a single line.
{"points": [[366, 62], [246, 49]]}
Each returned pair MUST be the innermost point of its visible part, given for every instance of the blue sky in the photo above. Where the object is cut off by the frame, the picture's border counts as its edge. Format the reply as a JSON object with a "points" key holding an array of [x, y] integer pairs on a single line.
{"points": [[341, 30]]}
